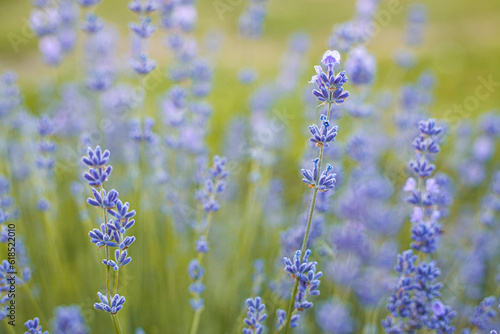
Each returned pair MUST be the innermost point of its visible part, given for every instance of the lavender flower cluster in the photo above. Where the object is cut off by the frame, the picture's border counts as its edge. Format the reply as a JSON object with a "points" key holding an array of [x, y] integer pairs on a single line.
{"points": [[111, 233]]}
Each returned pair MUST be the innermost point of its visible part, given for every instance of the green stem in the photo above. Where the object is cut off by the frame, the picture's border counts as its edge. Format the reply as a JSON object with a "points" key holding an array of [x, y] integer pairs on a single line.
{"points": [[116, 281], [106, 248], [306, 237], [197, 313], [116, 323], [196, 321]]}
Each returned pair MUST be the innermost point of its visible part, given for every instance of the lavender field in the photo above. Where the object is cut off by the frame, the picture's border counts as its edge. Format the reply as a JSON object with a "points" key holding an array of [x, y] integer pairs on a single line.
{"points": [[249, 166]]}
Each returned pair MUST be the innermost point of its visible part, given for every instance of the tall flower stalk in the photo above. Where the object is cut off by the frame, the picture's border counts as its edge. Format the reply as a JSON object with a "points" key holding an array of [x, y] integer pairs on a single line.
{"points": [[214, 184], [329, 91], [415, 302], [111, 234]]}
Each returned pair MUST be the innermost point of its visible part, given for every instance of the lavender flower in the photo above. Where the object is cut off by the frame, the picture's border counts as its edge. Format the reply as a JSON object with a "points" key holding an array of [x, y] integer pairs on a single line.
{"points": [[329, 85], [143, 65], [324, 135], [417, 17], [196, 272], [306, 280], [44, 22], [143, 7], [214, 184], [247, 76], [483, 314], [69, 320], [112, 232], [255, 316], [105, 201], [7, 277], [51, 49], [88, 3], [121, 260], [34, 327], [114, 307], [251, 20], [282, 319], [426, 229], [92, 24], [142, 30], [361, 66], [414, 303], [335, 317], [314, 180], [303, 272]]}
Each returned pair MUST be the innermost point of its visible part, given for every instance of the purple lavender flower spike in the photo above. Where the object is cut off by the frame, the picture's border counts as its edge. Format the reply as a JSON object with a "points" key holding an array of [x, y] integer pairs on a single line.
{"points": [[414, 303], [34, 327], [255, 316], [120, 260], [101, 238], [294, 321], [323, 135], [107, 201], [96, 158], [114, 307], [307, 276], [484, 314], [313, 179], [143, 65], [330, 58]]}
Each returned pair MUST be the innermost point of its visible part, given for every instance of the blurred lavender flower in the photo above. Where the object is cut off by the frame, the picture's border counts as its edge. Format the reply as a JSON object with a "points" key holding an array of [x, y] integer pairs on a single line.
{"points": [[417, 17], [51, 50], [143, 65], [10, 94], [426, 229], [483, 314], [247, 75], [143, 29], [44, 22], [292, 62], [92, 24], [214, 184], [69, 320], [361, 66], [88, 3], [345, 36], [251, 20], [55, 25], [7, 277], [334, 317], [100, 59], [214, 181]]}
